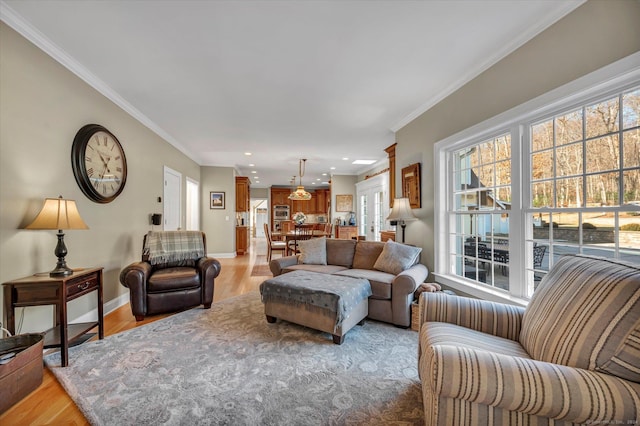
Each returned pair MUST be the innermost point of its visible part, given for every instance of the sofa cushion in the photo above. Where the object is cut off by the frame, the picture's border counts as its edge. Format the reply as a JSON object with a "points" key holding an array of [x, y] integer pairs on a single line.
{"points": [[313, 251], [366, 254], [340, 252], [380, 281], [172, 279], [324, 269], [396, 257], [584, 314]]}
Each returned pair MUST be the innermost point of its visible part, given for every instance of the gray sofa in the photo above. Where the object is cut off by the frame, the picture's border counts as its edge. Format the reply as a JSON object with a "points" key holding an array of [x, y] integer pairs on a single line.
{"points": [[392, 291]]}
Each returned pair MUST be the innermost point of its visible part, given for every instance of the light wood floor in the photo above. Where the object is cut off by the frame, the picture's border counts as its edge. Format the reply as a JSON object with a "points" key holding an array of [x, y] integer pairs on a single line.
{"points": [[50, 404]]}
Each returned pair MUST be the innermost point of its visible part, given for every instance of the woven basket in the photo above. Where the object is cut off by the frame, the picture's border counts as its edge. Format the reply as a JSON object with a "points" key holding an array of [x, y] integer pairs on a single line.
{"points": [[415, 316]]}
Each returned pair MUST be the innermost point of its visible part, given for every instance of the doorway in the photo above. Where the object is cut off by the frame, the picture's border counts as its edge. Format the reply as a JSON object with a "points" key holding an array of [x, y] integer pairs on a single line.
{"points": [[372, 206], [193, 205]]}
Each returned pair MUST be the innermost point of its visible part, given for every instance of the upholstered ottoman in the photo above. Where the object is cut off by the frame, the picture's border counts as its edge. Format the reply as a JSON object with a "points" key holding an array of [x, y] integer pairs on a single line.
{"points": [[329, 303]]}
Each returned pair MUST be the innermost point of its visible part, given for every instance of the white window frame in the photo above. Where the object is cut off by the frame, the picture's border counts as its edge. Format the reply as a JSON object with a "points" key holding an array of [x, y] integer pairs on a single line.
{"points": [[616, 77]]}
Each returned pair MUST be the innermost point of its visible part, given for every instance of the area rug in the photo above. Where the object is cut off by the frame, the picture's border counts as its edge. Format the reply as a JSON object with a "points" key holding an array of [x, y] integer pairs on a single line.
{"points": [[261, 267], [227, 365]]}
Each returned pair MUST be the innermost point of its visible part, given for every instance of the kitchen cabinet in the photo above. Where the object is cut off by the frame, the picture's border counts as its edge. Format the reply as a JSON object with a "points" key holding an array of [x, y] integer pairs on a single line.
{"points": [[346, 232], [279, 197], [242, 240], [322, 201], [243, 194]]}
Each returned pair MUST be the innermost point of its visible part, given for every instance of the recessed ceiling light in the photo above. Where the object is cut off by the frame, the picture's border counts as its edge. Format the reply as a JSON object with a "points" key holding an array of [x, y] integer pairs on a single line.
{"points": [[318, 179], [313, 183], [251, 165], [345, 158], [364, 162], [332, 168], [253, 171], [247, 153], [325, 183], [324, 174]]}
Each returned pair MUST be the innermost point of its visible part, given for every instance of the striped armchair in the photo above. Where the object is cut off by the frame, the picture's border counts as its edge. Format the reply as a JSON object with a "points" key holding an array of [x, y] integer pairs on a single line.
{"points": [[572, 357]]}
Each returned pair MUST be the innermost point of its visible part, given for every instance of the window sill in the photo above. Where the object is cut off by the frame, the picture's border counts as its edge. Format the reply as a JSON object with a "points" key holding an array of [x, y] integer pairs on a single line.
{"points": [[479, 291]]}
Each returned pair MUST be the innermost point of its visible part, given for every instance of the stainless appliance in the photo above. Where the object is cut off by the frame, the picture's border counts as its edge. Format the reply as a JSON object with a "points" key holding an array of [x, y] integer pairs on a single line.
{"points": [[280, 212]]}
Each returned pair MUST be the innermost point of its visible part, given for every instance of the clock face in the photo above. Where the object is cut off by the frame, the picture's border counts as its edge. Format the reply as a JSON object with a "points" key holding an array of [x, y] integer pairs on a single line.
{"points": [[99, 163]]}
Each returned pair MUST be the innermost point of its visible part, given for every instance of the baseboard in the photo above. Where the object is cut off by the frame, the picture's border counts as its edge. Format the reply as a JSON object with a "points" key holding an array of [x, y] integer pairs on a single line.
{"points": [[109, 307], [222, 255]]}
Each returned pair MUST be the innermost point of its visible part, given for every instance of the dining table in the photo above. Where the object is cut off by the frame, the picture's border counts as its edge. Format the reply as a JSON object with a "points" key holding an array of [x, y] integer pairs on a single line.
{"points": [[293, 234]]}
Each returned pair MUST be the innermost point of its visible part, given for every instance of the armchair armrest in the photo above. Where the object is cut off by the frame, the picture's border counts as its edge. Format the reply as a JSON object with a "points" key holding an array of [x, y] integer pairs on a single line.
{"points": [[498, 319], [402, 289], [135, 277], [277, 265], [209, 269], [533, 387]]}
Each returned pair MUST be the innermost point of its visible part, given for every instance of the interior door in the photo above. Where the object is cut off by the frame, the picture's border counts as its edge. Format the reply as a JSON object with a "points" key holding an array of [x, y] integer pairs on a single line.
{"points": [[373, 207], [172, 196]]}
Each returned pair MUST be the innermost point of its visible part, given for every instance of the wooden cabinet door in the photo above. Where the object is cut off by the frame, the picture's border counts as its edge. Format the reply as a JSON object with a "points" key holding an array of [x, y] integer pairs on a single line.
{"points": [[242, 194], [242, 240]]}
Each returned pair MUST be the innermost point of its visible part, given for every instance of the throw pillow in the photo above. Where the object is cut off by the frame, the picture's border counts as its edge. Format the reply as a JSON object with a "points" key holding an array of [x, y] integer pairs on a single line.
{"points": [[313, 251], [396, 257]]}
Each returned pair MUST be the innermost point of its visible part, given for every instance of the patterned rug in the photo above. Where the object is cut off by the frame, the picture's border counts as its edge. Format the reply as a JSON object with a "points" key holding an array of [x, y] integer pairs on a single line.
{"points": [[227, 365], [261, 267]]}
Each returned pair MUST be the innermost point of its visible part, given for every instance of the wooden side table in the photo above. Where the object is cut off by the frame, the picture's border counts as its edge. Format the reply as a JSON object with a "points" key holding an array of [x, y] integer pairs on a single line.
{"points": [[37, 290]]}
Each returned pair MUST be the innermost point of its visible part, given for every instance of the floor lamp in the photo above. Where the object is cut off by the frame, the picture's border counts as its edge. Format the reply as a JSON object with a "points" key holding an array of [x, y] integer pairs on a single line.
{"points": [[401, 213]]}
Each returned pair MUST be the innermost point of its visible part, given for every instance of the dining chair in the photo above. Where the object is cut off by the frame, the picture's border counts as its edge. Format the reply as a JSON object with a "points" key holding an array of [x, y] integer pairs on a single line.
{"points": [[302, 232], [273, 245]]}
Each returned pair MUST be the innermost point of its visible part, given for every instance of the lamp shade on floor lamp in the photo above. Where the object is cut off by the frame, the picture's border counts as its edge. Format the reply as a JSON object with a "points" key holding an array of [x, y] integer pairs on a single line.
{"points": [[402, 213]]}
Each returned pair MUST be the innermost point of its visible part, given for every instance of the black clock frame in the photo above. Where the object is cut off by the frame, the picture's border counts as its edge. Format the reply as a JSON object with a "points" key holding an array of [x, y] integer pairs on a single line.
{"points": [[80, 170]]}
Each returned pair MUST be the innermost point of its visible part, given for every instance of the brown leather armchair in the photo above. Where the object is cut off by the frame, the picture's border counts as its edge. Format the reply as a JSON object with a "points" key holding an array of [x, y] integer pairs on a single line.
{"points": [[176, 280]]}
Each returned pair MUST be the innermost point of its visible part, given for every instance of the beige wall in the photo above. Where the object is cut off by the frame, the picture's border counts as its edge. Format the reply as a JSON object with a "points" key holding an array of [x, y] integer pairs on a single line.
{"points": [[342, 185], [594, 35], [219, 225], [42, 106]]}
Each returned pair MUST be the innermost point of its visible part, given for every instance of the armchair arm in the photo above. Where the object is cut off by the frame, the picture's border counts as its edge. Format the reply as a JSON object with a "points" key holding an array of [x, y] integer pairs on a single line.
{"points": [[277, 265], [533, 387], [209, 269], [135, 277], [498, 319], [402, 289]]}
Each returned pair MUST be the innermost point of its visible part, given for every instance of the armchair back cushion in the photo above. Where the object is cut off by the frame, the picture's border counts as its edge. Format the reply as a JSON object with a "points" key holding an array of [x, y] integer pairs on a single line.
{"points": [[587, 316], [176, 248]]}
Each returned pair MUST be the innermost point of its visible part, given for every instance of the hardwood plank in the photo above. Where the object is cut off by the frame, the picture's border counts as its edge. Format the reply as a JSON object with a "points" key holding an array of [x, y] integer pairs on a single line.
{"points": [[50, 404]]}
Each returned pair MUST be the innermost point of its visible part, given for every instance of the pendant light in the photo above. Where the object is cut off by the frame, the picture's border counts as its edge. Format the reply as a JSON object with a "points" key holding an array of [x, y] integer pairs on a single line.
{"points": [[300, 194]]}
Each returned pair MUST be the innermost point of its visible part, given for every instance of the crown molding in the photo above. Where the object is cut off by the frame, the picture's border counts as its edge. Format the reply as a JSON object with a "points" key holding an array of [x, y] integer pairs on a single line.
{"points": [[524, 37], [28, 31]]}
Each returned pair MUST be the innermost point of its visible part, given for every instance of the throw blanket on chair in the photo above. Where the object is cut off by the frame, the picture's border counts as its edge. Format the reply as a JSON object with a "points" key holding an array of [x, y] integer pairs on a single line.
{"points": [[173, 246]]}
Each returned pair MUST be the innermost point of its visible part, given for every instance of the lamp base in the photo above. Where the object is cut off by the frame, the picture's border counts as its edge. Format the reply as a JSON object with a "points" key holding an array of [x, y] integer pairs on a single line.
{"points": [[61, 271]]}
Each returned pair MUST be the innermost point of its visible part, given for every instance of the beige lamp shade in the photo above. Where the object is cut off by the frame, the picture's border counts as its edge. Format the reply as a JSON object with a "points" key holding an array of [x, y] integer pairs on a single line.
{"points": [[300, 194], [58, 213], [401, 211]]}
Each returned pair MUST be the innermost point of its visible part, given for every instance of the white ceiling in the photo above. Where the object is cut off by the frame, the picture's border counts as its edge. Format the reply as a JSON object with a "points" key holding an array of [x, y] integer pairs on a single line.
{"points": [[284, 80]]}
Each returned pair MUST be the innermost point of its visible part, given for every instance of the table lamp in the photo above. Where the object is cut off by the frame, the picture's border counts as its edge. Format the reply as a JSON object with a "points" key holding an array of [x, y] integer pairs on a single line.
{"points": [[401, 212], [58, 213]]}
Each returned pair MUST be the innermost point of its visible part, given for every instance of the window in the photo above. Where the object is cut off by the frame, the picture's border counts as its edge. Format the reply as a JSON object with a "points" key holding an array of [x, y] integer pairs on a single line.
{"points": [[557, 175], [585, 181], [482, 202]]}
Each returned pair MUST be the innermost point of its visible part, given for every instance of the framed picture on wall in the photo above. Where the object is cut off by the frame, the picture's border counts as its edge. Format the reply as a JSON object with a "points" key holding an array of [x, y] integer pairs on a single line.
{"points": [[411, 185], [216, 200], [344, 203]]}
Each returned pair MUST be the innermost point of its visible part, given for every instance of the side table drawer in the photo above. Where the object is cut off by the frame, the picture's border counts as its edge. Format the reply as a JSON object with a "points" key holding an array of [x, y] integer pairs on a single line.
{"points": [[81, 286]]}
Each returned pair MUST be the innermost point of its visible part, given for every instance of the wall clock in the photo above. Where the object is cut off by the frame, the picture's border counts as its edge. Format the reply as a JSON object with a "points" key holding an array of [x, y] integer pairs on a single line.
{"points": [[99, 164]]}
